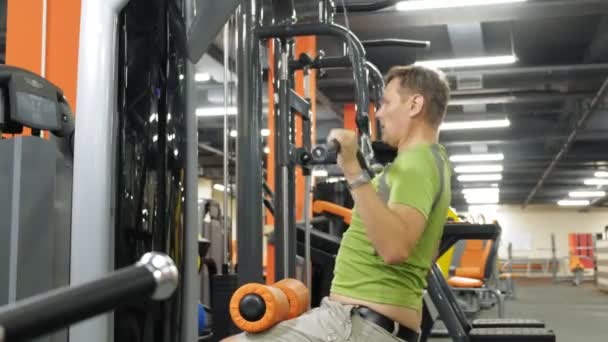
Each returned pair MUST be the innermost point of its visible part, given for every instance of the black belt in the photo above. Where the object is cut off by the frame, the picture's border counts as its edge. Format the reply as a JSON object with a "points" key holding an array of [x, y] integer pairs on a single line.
{"points": [[393, 327]]}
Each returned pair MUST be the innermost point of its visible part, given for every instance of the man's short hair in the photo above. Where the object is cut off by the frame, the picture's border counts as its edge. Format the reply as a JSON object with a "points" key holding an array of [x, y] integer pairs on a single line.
{"points": [[431, 84]]}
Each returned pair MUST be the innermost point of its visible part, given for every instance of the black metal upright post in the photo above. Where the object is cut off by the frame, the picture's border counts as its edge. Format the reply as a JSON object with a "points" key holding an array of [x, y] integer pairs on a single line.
{"points": [[249, 168], [284, 253]]}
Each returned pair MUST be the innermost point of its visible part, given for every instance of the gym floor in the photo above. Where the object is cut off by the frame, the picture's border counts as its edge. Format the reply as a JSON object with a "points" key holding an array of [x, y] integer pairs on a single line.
{"points": [[573, 313]]}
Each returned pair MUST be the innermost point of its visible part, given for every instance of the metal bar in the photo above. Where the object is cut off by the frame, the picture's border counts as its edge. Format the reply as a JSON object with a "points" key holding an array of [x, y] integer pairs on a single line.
{"points": [[356, 54], [365, 7], [545, 70], [154, 276], [249, 168], [214, 151], [406, 43], [225, 238], [299, 104], [283, 205], [307, 227], [268, 204], [446, 311], [191, 283], [323, 62], [91, 253], [597, 100]]}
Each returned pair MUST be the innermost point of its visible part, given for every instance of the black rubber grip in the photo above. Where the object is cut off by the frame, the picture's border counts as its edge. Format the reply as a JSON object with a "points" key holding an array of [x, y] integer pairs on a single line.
{"points": [[333, 146], [48, 312]]}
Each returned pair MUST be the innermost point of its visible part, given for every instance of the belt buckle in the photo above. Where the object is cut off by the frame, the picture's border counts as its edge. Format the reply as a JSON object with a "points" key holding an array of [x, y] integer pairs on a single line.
{"points": [[395, 328]]}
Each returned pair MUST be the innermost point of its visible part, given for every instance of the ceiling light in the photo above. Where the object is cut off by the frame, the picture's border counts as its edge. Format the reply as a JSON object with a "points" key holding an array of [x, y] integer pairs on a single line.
{"points": [[478, 168], [215, 111], [573, 203], [460, 125], [267, 150], [601, 174], [480, 178], [202, 77], [233, 133], [476, 157], [596, 181], [468, 62], [584, 194], [416, 5], [319, 173]]}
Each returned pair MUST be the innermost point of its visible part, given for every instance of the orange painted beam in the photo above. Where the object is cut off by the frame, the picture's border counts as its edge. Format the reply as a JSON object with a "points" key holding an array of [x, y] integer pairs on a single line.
{"points": [[319, 207], [308, 45], [24, 37], [349, 116], [63, 34], [372, 121], [24, 42]]}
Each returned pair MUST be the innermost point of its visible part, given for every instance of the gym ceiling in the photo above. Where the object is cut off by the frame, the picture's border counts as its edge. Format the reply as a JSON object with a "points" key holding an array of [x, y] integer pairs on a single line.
{"points": [[561, 48]]}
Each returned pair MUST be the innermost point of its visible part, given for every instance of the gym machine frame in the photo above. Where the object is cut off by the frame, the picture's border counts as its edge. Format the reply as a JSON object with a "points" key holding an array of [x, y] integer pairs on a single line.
{"points": [[92, 253], [249, 220]]}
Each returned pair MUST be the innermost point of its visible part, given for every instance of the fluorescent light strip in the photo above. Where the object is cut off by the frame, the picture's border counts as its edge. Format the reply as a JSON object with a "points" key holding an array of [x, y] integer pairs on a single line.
{"points": [[218, 187], [468, 62], [202, 77], [215, 111], [480, 190], [463, 158], [573, 203], [586, 194], [596, 181], [417, 5], [263, 132], [601, 174], [462, 125], [478, 168], [480, 178]]}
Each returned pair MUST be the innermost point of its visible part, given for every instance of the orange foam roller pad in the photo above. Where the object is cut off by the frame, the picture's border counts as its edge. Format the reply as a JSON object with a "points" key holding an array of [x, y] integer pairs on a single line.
{"points": [[257, 307], [297, 295]]}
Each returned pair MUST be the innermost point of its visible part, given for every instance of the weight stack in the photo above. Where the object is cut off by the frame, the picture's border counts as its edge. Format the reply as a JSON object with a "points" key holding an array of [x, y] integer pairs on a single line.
{"points": [[223, 287]]}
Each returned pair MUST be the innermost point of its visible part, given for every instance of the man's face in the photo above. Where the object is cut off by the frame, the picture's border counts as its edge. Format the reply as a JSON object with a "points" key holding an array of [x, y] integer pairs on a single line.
{"points": [[396, 112]]}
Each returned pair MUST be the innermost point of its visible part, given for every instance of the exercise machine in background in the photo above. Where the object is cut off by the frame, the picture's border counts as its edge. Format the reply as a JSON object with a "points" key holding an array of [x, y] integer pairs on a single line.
{"points": [[36, 183]]}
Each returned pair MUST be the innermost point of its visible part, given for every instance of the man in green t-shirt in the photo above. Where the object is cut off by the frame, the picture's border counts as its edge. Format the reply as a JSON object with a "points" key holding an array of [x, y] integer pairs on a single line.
{"points": [[397, 223]]}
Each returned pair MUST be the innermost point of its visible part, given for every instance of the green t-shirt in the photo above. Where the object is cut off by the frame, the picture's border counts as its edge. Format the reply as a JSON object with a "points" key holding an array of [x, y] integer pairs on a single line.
{"points": [[413, 179]]}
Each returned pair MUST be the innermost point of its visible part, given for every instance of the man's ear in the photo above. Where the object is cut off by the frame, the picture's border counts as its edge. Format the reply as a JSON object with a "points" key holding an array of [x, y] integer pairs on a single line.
{"points": [[416, 105]]}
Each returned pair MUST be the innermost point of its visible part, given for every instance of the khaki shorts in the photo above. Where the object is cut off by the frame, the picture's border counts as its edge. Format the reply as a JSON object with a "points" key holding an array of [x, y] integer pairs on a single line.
{"points": [[331, 322]]}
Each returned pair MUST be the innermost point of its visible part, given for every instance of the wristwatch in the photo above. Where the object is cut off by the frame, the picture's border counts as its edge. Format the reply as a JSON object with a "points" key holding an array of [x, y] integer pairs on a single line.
{"points": [[362, 179]]}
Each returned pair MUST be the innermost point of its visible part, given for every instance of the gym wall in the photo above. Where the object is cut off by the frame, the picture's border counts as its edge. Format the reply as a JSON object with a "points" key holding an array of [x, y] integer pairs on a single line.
{"points": [[530, 231]]}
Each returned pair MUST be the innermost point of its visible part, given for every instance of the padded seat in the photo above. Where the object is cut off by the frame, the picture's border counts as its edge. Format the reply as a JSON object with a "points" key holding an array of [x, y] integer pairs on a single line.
{"points": [[511, 335], [462, 282], [469, 272], [507, 323]]}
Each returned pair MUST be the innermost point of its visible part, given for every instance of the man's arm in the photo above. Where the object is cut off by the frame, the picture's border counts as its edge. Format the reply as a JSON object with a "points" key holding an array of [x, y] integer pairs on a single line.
{"points": [[394, 230]]}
